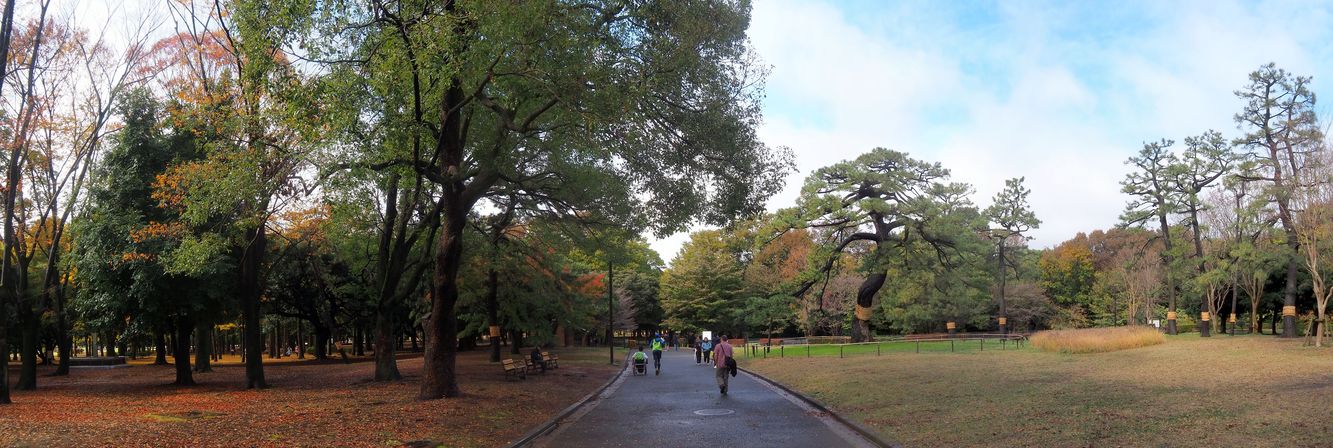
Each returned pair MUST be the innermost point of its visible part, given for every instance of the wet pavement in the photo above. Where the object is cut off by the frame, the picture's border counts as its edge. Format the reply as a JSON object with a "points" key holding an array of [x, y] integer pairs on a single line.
{"points": [[683, 408]]}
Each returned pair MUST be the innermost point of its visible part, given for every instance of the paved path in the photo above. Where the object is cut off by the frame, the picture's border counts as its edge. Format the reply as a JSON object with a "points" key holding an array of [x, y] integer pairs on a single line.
{"points": [[659, 411]]}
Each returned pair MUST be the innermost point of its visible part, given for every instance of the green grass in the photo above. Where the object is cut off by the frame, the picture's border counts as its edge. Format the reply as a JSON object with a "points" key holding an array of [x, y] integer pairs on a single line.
{"points": [[877, 349], [1189, 391]]}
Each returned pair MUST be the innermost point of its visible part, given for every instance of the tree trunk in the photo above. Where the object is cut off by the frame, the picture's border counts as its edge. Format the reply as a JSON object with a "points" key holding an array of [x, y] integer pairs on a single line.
{"points": [[250, 289], [63, 341], [28, 327], [1166, 272], [203, 347], [516, 337], [493, 313], [182, 351], [6, 269], [1289, 294], [322, 336], [1003, 318], [359, 340], [865, 297], [161, 358], [439, 377], [386, 362]]}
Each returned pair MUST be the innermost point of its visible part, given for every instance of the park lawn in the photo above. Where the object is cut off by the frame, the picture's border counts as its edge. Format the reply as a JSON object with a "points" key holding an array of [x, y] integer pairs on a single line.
{"points": [[311, 403], [873, 349], [1189, 391]]}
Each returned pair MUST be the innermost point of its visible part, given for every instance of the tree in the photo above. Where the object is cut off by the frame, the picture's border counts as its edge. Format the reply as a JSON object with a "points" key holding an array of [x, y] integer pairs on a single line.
{"points": [[883, 198], [703, 285], [641, 112], [767, 313], [6, 280], [1281, 130], [262, 114], [1206, 159], [1150, 185], [1067, 274], [1314, 226], [1012, 217]]}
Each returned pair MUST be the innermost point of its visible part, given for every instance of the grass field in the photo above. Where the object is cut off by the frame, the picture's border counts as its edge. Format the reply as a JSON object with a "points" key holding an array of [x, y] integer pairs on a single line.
{"points": [[311, 403], [879, 348], [1189, 391]]}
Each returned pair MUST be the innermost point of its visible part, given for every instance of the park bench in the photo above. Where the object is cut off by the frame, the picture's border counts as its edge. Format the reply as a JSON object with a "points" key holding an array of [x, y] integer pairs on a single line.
{"points": [[514, 369], [552, 361], [532, 366]]}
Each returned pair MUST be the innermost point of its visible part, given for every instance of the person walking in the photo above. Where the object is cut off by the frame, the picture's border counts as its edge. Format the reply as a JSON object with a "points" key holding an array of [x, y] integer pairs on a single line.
{"points": [[657, 344], [721, 368], [708, 350], [698, 351]]}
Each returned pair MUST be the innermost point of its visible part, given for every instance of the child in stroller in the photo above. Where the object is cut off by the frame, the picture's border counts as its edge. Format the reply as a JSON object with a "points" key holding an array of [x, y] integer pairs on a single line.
{"points": [[640, 362]]}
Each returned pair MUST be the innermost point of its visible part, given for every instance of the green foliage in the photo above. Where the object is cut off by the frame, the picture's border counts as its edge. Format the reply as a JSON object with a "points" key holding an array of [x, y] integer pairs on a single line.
{"points": [[703, 288]]}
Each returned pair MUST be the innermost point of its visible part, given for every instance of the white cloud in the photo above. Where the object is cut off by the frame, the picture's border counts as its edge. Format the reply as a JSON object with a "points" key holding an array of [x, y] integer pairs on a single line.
{"points": [[1060, 94]]}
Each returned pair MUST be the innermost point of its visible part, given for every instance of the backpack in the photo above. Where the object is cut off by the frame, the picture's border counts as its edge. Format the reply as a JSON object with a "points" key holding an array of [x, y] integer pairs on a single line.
{"points": [[731, 365]]}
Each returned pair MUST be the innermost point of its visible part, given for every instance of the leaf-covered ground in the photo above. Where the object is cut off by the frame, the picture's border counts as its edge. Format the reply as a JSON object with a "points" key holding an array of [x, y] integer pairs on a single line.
{"points": [[311, 403]]}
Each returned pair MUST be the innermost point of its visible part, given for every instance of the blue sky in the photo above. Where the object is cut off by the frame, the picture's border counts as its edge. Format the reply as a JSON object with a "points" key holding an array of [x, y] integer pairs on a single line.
{"points": [[1059, 92]]}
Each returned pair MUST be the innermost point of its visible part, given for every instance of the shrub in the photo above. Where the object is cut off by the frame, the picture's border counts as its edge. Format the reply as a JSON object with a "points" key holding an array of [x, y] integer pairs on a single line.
{"points": [[1096, 340]]}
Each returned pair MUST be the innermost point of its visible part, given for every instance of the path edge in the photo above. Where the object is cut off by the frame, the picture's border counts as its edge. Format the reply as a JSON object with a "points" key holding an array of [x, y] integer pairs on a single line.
{"points": [[546, 427], [867, 433]]}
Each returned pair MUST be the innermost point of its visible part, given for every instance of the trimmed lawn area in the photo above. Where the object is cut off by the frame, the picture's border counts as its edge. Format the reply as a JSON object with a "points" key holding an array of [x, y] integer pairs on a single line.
{"points": [[873, 348], [311, 403], [1189, 391]]}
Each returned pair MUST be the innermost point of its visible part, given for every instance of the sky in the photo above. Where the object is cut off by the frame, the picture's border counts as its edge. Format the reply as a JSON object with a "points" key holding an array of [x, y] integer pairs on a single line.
{"points": [[1061, 93]]}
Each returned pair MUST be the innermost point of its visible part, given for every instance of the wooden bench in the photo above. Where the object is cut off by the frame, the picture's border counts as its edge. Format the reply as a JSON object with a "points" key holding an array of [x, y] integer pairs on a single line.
{"points": [[514, 369], [552, 361], [532, 366]]}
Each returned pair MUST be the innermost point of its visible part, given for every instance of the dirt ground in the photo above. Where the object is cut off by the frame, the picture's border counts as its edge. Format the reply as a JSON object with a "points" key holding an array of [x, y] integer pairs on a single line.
{"points": [[310, 403]]}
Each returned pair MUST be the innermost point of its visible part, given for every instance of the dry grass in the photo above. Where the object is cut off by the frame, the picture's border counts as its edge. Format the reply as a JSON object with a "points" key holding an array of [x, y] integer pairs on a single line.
{"points": [[1097, 340], [312, 403], [1190, 391]]}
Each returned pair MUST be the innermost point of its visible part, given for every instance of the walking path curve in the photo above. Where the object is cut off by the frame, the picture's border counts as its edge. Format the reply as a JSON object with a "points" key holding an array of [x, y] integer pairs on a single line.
{"points": [[673, 409]]}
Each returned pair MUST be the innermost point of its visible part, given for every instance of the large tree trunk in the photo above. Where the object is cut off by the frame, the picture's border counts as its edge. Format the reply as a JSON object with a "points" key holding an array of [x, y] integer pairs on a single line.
{"points": [[1289, 293], [28, 347], [161, 340], [1003, 319], [386, 362], [63, 341], [865, 297], [1166, 273], [6, 29], [203, 347], [182, 351], [439, 377], [322, 336], [493, 313], [250, 289]]}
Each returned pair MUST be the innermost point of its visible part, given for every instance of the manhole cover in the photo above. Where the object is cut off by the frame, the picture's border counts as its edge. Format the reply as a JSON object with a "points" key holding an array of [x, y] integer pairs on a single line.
{"points": [[714, 412]]}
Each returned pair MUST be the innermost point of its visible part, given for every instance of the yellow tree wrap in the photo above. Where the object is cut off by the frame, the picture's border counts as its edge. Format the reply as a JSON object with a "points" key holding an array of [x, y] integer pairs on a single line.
{"points": [[1170, 315], [1003, 321], [495, 331], [1289, 310], [950, 325], [1204, 316], [862, 313], [1232, 319]]}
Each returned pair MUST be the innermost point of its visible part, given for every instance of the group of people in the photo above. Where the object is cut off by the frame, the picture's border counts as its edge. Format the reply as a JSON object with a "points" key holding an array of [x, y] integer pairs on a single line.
{"points": [[716, 352]]}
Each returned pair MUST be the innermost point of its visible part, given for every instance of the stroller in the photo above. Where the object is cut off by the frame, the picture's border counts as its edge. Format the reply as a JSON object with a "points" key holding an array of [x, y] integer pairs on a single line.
{"points": [[640, 363]]}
